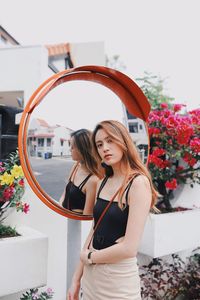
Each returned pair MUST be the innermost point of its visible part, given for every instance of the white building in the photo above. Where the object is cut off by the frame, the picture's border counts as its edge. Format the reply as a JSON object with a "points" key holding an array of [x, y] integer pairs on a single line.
{"points": [[61, 146], [23, 69], [138, 132]]}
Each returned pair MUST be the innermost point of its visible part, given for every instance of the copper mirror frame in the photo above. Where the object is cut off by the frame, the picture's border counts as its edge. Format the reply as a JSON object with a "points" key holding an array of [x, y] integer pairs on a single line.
{"points": [[124, 87]]}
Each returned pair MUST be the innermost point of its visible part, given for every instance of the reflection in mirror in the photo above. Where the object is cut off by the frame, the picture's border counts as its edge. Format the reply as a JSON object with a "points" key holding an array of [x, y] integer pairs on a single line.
{"points": [[79, 194], [64, 110]]}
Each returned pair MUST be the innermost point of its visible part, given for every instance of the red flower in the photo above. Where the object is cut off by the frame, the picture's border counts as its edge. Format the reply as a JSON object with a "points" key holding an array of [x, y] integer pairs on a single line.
{"points": [[159, 152], [156, 161], [26, 208], [179, 168], [8, 192], [153, 131], [171, 185], [164, 105], [188, 158], [184, 133], [21, 182], [192, 162], [195, 144]]}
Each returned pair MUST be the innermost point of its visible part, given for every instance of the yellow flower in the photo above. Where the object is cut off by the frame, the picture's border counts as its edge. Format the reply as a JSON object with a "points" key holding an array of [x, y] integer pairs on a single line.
{"points": [[17, 171], [6, 179]]}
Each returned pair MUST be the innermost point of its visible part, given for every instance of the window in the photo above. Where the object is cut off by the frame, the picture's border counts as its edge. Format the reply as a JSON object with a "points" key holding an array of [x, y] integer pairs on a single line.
{"points": [[48, 142], [140, 126], [129, 116], [40, 142], [133, 127]]}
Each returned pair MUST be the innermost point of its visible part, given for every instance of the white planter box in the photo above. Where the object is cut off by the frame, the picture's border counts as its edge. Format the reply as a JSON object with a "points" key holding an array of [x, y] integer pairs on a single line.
{"points": [[168, 233], [23, 261]]}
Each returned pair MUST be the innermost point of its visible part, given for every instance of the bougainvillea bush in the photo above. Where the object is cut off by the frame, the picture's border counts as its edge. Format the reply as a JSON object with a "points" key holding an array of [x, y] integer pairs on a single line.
{"points": [[11, 185], [174, 149]]}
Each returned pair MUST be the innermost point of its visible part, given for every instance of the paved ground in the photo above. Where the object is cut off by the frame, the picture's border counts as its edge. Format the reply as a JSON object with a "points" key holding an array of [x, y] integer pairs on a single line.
{"points": [[52, 174]]}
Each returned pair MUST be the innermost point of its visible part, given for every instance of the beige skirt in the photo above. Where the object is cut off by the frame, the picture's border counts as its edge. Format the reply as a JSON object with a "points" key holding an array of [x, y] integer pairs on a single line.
{"points": [[119, 281]]}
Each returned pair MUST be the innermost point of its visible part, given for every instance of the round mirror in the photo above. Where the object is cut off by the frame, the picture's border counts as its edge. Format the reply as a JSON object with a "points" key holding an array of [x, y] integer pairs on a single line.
{"points": [[69, 101]]}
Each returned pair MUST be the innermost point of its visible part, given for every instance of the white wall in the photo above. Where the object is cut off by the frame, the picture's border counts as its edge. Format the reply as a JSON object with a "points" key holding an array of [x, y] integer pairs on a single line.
{"points": [[61, 132], [88, 53], [43, 219], [24, 69]]}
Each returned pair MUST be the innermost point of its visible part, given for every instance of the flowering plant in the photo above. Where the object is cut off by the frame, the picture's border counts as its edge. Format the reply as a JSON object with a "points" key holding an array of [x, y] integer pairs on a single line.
{"points": [[34, 294], [174, 149], [171, 279], [12, 185]]}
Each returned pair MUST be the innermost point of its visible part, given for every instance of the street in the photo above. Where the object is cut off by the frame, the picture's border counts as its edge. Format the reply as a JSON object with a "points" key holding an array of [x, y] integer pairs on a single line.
{"points": [[52, 174]]}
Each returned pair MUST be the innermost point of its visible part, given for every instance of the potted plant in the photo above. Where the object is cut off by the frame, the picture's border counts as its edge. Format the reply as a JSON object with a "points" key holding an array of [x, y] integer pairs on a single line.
{"points": [[11, 186], [174, 162], [29, 246], [174, 157]]}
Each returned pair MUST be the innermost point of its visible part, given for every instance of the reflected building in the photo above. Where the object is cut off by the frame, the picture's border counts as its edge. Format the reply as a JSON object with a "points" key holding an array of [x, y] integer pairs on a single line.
{"points": [[47, 141], [138, 132]]}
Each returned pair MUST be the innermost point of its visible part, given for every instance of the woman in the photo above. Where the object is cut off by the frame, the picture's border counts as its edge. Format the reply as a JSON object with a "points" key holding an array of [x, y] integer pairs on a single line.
{"points": [[109, 267], [79, 194]]}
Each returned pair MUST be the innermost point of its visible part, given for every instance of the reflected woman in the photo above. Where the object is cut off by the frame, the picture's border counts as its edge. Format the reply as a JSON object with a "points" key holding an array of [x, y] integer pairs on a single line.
{"points": [[79, 194], [108, 264]]}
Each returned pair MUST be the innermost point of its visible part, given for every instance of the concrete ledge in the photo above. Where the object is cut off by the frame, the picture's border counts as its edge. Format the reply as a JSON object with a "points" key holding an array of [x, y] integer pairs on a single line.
{"points": [[23, 261], [169, 233]]}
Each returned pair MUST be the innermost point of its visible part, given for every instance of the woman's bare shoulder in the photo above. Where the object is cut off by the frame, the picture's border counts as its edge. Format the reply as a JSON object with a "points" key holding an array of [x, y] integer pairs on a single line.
{"points": [[141, 181], [94, 179]]}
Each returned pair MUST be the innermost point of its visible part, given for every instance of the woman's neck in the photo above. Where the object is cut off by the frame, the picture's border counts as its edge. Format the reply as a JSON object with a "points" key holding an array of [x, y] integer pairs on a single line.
{"points": [[119, 171], [83, 167]]}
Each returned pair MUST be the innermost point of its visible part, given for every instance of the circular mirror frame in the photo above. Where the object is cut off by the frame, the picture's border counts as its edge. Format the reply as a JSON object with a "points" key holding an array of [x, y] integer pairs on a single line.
{"points": [[124, 87]]}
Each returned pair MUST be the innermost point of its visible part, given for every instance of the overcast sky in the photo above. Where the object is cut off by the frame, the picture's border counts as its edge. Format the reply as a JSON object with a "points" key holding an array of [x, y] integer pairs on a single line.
{"points": [[161, 37]]}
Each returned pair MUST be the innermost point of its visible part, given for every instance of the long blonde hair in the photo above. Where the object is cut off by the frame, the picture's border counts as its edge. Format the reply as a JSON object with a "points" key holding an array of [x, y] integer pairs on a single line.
{"points": [[131, 157]]}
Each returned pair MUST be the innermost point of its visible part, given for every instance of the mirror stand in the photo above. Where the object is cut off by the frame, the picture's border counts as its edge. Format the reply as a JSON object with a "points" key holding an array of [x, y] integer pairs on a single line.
{"points": [[73, 248]]}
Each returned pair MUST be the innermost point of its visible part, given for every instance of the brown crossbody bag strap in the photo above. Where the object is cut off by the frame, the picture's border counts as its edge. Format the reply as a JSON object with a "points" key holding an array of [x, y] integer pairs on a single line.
{"points": [[104, 211]]}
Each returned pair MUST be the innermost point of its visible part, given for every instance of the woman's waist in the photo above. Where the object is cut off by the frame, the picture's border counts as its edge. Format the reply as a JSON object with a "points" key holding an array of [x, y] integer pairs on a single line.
{"points": [[129, 260], [105, 240]]}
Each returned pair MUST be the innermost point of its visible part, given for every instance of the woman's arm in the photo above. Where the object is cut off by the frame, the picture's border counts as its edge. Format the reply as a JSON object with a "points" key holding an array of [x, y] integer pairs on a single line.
{"points": [[91, 188], [139, 206], [62, 198]]}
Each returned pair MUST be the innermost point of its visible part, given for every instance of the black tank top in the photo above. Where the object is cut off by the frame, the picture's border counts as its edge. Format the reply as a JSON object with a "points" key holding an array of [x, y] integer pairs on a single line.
{"points": [[74, 196], [114, 222]]}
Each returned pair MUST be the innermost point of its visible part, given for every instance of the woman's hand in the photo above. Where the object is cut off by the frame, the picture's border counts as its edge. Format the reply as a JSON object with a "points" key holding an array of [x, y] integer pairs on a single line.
{"points": [[84, 256], [73, 292]]}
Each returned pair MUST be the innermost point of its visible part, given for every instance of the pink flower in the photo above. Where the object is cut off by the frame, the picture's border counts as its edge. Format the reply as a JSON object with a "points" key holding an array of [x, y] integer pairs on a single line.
{"points": [[26, 208], [2, 169], [170, 141], [177, 107], [171, 185]]}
